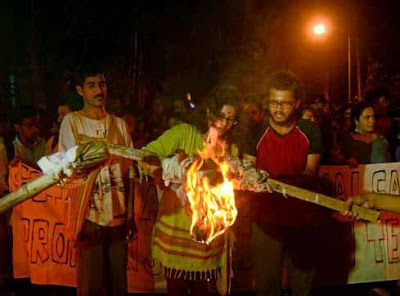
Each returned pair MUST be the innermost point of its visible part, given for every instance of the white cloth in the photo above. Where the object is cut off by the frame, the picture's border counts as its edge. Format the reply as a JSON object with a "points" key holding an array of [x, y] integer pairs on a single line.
{"points": [[248, 177], [61, 162], [107, 205], [173, 170], [173, 174]]}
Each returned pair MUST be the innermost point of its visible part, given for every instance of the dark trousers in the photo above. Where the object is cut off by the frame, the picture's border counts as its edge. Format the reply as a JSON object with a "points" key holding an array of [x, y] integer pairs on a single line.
{"points": [[269, 244], [180, 287], [102, 261]]}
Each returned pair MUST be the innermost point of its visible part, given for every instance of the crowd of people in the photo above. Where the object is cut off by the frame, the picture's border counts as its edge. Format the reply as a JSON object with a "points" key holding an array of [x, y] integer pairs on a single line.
{"points": [[277, 131]]}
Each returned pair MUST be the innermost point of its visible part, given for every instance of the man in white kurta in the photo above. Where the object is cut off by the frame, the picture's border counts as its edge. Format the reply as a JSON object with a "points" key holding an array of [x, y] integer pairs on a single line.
{"points": [[101, 247]]}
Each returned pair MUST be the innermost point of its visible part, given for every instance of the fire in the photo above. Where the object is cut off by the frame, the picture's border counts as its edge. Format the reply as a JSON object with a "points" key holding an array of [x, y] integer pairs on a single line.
{"points": [[212, 205]]}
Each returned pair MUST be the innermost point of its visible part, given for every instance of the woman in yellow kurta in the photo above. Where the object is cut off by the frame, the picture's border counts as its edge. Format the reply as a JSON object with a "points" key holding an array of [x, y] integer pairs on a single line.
{"points": [[189, 264]]}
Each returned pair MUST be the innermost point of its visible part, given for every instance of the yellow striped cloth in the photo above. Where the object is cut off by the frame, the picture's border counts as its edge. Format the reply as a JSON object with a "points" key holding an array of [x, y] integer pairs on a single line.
{"points": [[173, 245]]}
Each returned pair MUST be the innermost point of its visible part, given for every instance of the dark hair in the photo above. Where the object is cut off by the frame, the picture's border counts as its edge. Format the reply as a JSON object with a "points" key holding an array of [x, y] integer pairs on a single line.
{"points": [[373, 95], [130, 109], [64, 103], [22, 112], [286, 80], [358, 109], [304, 108], [86, 70], [212, 104], [252, 98]]}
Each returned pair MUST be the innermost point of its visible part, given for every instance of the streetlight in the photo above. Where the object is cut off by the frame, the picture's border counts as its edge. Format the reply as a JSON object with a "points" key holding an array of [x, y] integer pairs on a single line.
{"points": [[320, 29]]}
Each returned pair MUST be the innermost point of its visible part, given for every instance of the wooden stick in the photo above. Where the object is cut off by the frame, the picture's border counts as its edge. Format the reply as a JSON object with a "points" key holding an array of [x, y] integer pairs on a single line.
{"points": [[36, 186], [26, 191], [323, 200], [296, 192], [126, 152], [89, 155]]}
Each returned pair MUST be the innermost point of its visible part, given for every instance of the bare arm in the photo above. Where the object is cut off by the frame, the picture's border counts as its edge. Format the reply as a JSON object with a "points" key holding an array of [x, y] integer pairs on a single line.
{"points": [[312, 165], [385, 202]]}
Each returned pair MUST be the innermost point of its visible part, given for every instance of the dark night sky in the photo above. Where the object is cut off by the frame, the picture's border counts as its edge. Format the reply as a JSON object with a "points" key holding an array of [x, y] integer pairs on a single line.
{"points": [[191, 45]]}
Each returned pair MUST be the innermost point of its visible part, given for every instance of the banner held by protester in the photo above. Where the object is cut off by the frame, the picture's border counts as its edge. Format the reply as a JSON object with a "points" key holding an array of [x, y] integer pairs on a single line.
{"points": [[43, 252]]}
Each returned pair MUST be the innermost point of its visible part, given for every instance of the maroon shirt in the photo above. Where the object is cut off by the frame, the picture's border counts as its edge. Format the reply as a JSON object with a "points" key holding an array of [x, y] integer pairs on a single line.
{"points": [[284, 157]]}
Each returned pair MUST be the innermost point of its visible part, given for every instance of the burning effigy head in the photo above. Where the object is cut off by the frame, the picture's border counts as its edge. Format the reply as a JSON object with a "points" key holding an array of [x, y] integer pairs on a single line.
{"points": [[211, 198]]}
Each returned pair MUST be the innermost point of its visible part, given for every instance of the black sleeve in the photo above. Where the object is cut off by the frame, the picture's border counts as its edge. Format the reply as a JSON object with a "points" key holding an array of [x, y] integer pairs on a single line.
{"points": [[345, 146], [249, 141], [313, 133], [10, 150]]}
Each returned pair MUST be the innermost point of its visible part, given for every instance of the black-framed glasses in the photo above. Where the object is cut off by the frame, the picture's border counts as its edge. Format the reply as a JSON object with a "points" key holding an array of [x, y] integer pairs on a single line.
{"points": [[229, 120], [284, 105]]}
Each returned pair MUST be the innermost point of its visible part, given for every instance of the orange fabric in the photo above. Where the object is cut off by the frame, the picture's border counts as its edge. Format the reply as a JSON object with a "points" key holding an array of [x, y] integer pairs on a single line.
{"points": [[79, 207], [42, 246]]}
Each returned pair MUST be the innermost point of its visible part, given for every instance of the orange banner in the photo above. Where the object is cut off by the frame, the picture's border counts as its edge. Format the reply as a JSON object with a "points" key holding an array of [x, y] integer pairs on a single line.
{"points": [[41, 249], [43, 252]]}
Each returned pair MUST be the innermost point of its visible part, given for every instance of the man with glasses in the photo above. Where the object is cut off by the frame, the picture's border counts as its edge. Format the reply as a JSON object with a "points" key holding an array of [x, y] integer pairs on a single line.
{"points": [[288, 152]]}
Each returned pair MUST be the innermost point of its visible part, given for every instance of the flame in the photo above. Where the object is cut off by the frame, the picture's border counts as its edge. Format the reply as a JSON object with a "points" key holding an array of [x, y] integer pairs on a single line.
{"points": [[212, 205]]}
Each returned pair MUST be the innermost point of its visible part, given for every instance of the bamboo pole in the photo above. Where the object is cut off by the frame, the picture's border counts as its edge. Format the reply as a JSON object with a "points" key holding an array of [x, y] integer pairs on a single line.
{"points": [[126, 152], [88, 156], [36, 186], [296, 192], [26, 191], [324, 200]]}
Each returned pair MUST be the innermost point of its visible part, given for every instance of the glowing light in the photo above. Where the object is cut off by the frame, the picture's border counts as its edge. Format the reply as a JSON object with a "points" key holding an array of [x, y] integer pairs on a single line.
{"points": [[319, 29]]}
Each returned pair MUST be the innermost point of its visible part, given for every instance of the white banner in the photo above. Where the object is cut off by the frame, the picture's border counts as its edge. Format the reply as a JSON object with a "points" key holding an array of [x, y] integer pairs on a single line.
{"points": [[377, 245]]}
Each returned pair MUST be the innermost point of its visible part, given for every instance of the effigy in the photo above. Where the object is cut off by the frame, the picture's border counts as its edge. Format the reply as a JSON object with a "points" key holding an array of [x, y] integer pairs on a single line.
{"points": [[204, 187]]}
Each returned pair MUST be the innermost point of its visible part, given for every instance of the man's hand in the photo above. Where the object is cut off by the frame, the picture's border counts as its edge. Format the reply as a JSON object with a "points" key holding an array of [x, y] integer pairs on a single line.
{"points": [[348, 214]]}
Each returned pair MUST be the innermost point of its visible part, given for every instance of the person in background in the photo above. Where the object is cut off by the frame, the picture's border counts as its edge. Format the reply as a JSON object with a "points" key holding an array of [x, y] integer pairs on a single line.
{"points": [[307, 113], [176, 118], [380, 102], [52, 143], [7, 131], [45, 121], [156, 120], [5, 228], [364, 145], [3, 168], [179, 105], [346, 124], [135, 126], [251, 124], [28, 146]]}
